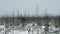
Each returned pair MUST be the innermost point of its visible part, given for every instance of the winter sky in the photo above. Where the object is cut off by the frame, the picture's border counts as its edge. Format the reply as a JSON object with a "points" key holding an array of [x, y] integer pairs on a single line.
{"points": [[7, 7]]}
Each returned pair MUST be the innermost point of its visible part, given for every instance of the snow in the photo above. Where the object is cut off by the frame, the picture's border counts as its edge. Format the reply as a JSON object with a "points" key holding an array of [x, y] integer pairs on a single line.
{"points": [[18, 32], [2, 26], [22, 32], [1, 32], [52, 28], [35, 29]]}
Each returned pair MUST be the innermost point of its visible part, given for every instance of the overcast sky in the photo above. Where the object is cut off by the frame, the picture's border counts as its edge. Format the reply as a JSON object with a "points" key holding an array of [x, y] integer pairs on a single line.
{"points": [[7, 7]]}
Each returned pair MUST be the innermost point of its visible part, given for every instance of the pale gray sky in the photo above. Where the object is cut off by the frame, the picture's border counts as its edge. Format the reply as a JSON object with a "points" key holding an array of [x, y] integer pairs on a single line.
{"points": [[8, 6]]}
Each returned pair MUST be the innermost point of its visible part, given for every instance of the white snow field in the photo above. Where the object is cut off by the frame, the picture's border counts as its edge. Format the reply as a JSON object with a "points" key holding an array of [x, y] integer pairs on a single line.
{"points": [[33, 30], [18, 32], [21, 32], [1, 32]]}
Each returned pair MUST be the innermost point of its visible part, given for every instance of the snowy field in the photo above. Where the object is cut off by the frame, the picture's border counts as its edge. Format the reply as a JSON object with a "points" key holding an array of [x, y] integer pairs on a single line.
{"points": [[18, 32], [1, 33], [22, 32], [33, 29]]}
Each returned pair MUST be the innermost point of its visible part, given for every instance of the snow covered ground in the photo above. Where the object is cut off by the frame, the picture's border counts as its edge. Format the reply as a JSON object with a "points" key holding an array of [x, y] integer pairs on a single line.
{"points": [[18, 32], [1, 32], [33, 30], [22, 32]]}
